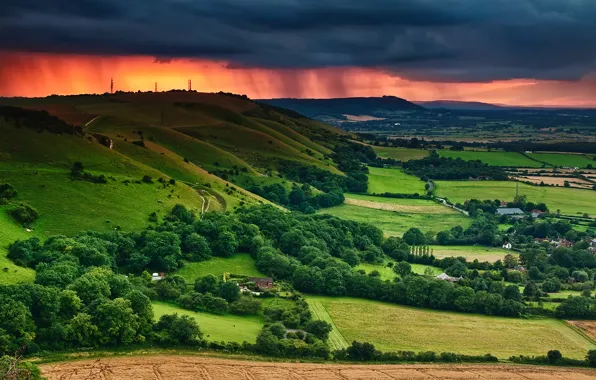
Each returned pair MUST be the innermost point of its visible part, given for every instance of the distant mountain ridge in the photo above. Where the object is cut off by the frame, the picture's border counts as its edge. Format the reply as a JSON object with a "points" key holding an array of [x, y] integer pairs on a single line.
{"points": [[460, 105], [374, 106]]}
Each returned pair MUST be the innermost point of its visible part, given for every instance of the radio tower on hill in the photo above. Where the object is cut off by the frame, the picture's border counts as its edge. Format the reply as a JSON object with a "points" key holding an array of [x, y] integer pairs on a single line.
{"points": [[155, 87], [111, 85], [190, 85]]}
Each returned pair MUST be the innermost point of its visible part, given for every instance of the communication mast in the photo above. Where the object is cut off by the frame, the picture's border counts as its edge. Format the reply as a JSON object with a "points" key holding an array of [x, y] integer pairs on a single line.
{"points": [[111, 85], [155, 87], [190, 85]]}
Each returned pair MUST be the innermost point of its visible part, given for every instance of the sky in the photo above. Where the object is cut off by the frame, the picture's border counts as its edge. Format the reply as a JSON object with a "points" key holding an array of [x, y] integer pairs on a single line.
{"points": [[517, 52]]}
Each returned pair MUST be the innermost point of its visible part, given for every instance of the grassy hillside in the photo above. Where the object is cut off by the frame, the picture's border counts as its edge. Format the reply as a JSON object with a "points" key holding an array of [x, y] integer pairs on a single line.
{"points": [[393, 328], [241, 264], [569, 201], [401, 154], [393, 181]]}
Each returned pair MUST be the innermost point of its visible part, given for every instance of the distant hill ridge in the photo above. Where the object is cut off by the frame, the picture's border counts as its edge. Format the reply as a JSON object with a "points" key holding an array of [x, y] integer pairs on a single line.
{"points": [[375, 106], [460, 105]]}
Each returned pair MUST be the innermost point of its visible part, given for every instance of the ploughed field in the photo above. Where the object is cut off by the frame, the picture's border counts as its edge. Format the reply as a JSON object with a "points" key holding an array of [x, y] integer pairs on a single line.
{"points": [[173, 367]]}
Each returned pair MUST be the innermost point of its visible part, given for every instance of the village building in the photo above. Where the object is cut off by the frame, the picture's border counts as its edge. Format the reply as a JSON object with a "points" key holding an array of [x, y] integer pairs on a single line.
{"points": [[537, 214], [262, 283], [508, 211], [158, 276], [507, 245]]}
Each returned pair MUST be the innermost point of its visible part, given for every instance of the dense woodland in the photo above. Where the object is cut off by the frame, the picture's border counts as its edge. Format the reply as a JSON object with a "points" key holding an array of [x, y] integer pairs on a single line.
{"points": [[435, 167]]}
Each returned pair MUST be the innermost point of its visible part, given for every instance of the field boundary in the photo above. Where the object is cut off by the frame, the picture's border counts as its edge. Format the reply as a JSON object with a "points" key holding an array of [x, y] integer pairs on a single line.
{"points": [[336, 339]]}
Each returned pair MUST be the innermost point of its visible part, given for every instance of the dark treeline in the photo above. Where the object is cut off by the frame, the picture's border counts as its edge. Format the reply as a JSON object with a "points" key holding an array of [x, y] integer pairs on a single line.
{"points": [[435, 167], [38, 120]]}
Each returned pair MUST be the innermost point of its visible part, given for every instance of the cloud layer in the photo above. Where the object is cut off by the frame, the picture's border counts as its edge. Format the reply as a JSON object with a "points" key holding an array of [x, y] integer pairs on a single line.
{"points": [[430, 40]]}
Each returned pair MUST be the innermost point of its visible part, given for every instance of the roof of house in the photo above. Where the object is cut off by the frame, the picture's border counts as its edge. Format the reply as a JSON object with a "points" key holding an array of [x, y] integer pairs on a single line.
{"points": [[260, 279], [509, 211]]}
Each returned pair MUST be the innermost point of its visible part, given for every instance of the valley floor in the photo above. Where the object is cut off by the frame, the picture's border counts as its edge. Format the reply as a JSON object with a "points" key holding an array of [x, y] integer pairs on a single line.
{"points": [[173, 367]]}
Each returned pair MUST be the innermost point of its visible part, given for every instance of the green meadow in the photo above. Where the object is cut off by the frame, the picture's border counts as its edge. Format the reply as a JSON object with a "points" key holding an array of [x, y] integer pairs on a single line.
{"points": [[569, 201], [388, 273], [239, 263], [471, 253], [566, 160], [392, 327], [401, 154], [512, 159], [381, 180], [229, 328]]}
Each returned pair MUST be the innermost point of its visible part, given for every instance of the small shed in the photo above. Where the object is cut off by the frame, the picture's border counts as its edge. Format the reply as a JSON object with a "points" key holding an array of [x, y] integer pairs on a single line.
{"points": [[158, 276]]}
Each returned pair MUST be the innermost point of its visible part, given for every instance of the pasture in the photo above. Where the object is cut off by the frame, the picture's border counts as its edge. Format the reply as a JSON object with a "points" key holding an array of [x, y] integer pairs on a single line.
{"points": [[381, 180], [388, 273], [239, 263], [397, 223], [569, 201], [471, 253], [411, 206], [229, 328], [393, 327], [510, 159], [401, 154], [10, 232], [565, 160]]}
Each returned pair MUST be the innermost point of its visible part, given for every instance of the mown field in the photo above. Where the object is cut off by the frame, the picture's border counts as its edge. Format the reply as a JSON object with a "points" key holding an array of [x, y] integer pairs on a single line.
{"points": [[397, 223], [229, 328], [569, 201], [471, 252], [240, 263], [411, 206], [566, 160], [388, 273], [512, 159], [381, 180], [401, 154], [393, 327]]}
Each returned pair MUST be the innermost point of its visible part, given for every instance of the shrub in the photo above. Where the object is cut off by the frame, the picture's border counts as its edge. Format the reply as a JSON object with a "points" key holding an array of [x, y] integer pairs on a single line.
{"points": [[7, 191], [554, 356], [24, 214], [147, 179]]}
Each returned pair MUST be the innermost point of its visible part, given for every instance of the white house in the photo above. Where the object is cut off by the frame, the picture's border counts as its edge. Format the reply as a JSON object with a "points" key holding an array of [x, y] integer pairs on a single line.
{"points": [[507, 245], [157, 276]]}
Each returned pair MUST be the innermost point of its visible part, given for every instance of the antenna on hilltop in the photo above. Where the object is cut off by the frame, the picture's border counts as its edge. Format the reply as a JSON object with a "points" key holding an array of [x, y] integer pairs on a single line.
{"points": [[111, 85], [155, 87], [190, 85]]}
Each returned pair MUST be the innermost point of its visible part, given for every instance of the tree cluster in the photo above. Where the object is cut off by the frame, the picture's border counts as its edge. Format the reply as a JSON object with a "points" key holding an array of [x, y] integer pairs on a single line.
{"points": [[435, 167]]}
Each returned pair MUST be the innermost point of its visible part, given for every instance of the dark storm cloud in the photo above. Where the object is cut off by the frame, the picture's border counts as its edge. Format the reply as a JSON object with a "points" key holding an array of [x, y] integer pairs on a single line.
{"points": [[440, 40]]}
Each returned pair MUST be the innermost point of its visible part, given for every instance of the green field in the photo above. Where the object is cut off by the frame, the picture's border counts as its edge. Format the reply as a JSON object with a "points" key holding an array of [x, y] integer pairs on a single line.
{"points": [[565, 160], [513, 159], [382, 180], [10, 232], [411, 206], [239, 263], [401, 154], [388, 273], [471, 252], [391, 328], [397, 223], [228, 328], [569, 201]]}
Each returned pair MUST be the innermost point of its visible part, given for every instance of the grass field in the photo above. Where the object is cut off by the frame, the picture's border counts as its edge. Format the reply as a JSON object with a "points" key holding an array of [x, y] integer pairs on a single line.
{"points": [[471, 252], [382, 180], [391, 327], [493, 158], [566, 160], [411, 206], [10, 232], [401, 154], [319, 312], [397, 223], [569, 201], [240, 263], [229, 328], [388, 273]]}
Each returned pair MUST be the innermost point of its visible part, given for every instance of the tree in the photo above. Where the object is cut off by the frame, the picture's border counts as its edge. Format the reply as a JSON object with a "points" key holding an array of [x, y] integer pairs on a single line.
{"points": [[511, 292], [414, 236], [17, 323], [246, 306], [334, 282], [117, 322], [403, 269], [24, 214], [551, 285], [13, 368], [591, 358], [320, 329], [176, 330], [554, 356], [83, 332], [225, 245], [230, 291], [531, 291], [510, 261], [7, 191], [361, 351], [196, 248], [207, 284]]}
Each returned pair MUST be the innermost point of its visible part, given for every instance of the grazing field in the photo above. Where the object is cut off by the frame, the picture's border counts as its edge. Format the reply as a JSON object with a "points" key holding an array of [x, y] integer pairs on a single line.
{"points": [[388, 273], [401, 154], [569, 160], [397, 223], [239, 263], [392, 327], [512, 159], [229, 328], [176, 367], [382, 180], [557, 181], [471, 252], [10, 232], [411, 206], [569, 201], [336, 340]]}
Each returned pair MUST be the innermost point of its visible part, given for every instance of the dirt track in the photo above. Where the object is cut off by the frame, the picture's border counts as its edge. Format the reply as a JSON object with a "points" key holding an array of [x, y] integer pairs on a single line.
{"points": [[203, 368]]}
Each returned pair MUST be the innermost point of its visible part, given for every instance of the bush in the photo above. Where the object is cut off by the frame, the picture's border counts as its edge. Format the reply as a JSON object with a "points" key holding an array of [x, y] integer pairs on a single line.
{"points": [[7, 191], [24, 214], [554, 356], [147, 179], [246, 305]]}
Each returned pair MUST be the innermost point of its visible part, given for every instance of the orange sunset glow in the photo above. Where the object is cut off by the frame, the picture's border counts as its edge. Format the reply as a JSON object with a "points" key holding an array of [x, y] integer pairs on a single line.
{"points": [[36, 74]]}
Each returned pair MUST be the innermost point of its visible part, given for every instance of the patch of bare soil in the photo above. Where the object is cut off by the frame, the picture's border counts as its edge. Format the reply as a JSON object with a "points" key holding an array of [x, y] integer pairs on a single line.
{"points": [[203, 368], [574, 182], [588, 327]]}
